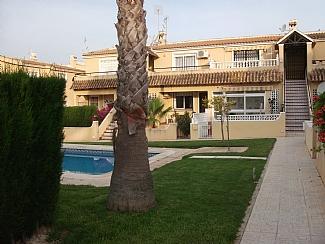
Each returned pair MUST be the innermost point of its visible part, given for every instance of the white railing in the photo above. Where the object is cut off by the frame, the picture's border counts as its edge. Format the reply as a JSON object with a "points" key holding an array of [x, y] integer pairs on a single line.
{"points": [[244, 64], [200, 118], [204, 130], [251, 117]]}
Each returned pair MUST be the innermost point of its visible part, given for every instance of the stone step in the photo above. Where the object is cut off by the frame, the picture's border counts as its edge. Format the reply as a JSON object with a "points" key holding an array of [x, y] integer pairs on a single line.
{"points": [[297, 108], [290, 128], [297, 105], [297, 100], [295, 92], [296, 121], [106, 138], [295, 85], [293, 81], [298, 112]]}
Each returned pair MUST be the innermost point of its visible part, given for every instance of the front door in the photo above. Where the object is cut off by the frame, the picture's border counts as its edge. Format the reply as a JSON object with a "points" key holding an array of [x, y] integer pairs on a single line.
{"points": [[202, 97], [295, 61]]}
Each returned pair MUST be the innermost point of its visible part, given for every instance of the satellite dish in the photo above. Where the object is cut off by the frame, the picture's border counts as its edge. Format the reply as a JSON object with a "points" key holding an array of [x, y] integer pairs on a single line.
{"points": [[321, 88]]}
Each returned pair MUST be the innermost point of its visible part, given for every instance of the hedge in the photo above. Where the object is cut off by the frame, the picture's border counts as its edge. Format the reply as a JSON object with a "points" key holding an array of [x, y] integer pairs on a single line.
{"points": [[184, 123], [79, 116], [31, 112]]}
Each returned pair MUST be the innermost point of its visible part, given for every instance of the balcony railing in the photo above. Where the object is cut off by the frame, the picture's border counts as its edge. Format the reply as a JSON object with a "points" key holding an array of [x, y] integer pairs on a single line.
{"points": [[244, 64], [251, 117]]}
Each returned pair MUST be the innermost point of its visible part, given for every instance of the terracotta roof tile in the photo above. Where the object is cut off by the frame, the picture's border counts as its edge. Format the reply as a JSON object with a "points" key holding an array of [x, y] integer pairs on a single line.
{"points": [[214, 42], [56, 66], [186, 79], [317, 75]]}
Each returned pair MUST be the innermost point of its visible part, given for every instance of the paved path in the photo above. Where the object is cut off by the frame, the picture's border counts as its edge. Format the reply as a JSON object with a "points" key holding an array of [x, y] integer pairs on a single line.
{"points": [[290, 207]]}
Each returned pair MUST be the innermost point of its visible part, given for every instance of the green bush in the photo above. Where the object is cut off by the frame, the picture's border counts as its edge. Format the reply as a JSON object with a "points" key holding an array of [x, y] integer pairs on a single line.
{"points": [[184, 123], [31, 112], [79, 116]]}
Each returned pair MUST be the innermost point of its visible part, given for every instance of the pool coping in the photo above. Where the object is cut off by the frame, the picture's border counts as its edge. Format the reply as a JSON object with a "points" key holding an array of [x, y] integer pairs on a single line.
{"points": [[163, 157]]}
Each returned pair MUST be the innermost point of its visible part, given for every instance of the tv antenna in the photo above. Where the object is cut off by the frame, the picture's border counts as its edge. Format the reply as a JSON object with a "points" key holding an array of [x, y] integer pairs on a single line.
{"points": [[158, 11], [85, 44], [283, 28]]}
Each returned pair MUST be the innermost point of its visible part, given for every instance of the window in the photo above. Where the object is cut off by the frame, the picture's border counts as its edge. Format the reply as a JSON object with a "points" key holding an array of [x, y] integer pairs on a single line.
{"points": [[33, 73], [246, 102], [93, 101], [61, 75], [108, 64], [246, 55], [184, 101], [255, 102], [239, 102], [185, 62], [152, 96]]}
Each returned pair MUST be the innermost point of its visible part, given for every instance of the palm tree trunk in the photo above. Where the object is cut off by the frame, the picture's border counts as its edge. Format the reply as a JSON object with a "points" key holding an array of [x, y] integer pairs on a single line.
{"points": [[131, 187]]}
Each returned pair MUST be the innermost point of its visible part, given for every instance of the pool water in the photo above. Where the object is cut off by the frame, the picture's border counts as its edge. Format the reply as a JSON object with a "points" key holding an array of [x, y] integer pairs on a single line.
{"points": [[92, 162]]}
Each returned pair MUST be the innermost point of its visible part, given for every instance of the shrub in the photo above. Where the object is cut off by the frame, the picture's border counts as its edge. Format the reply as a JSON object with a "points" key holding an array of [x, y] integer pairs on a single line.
{"points": [[184, 123], [31, 111], [102, 113], [79, 116], [319, 116], [156, 111]]}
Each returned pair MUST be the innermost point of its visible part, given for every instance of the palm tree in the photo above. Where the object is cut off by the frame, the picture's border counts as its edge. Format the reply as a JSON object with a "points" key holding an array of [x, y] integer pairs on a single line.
{"points": [[156, 111], [131, 187]]}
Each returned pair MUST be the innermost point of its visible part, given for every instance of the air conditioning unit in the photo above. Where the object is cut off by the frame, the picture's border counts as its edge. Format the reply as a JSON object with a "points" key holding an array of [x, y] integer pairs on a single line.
{"points": [[202, 54]]}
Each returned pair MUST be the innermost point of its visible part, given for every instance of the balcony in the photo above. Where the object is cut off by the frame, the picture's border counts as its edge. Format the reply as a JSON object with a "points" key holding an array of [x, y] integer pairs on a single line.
{"points": [[244, 64], [224, 66]]}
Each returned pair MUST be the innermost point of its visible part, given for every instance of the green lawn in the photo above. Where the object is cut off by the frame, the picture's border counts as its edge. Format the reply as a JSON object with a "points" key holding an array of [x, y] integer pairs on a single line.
{"points": [[199, 201], [257, 147]]}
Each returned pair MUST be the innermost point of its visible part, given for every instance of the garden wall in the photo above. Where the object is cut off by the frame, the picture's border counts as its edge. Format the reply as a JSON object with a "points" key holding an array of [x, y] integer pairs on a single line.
{"points": [[163, 133], [81, 134], [312, 142], [320, 164], [88, 134], [246, 129]]}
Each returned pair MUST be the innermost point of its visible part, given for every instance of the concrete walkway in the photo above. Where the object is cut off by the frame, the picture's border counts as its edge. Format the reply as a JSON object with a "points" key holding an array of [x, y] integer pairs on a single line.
{"points": [[290, 206]]}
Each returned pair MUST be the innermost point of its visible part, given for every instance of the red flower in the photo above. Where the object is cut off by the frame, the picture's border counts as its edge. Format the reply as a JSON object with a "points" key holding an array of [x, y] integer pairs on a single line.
{"points": [[321, 136], [315, 98], [319, 113]]}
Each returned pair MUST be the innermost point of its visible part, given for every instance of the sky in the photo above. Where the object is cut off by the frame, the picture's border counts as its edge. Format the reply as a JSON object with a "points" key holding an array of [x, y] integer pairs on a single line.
{"points": [[56, 29]]}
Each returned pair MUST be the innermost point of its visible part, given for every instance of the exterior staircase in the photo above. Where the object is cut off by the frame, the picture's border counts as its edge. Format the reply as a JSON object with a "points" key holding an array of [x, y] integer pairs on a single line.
{"points": [[296, 106], [108, 133]]}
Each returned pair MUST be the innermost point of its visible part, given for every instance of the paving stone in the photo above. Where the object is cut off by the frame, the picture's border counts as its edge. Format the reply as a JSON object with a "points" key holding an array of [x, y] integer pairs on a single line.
{"points": [[291, 201]]}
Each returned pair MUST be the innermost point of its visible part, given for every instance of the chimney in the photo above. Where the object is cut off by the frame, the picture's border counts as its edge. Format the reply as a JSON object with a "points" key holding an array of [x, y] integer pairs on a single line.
{"points": [[161, 38], [73, 61], [33, 56], [293, 24]]}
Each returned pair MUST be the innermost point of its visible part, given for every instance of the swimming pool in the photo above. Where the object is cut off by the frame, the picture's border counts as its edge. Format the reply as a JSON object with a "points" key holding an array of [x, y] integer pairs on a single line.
{"points": [[94, 162]]}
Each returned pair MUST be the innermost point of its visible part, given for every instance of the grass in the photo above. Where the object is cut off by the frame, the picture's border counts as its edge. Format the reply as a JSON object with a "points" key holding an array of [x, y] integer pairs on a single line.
{"points": [[198, 201], [256, 147]]}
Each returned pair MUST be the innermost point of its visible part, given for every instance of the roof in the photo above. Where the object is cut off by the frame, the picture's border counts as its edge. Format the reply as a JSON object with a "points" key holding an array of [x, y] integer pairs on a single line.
{"points": [[113, 51], [317, 75], [193, 78], [273, 38], [55, 66], [287, 36]]}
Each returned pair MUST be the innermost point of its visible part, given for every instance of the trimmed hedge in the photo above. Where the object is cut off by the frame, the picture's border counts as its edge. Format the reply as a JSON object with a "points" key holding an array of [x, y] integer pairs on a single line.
{"points": [[79, 116], [31, 112]]}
